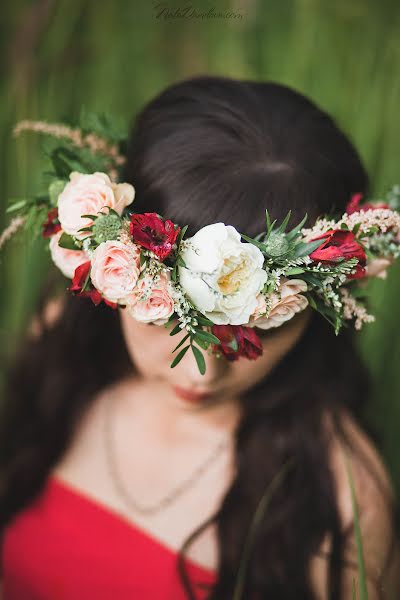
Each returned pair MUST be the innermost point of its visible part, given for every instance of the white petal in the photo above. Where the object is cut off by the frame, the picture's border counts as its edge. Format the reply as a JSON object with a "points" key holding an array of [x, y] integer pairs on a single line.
{"points": [[197, 290]]}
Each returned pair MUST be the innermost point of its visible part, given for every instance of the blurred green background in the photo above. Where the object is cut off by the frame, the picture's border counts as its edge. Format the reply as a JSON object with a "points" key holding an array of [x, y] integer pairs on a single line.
{"points": [[114, 56]]}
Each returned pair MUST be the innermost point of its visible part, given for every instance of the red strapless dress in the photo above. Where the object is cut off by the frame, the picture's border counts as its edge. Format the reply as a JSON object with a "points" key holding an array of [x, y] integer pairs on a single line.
{"points": [[67, 546]]}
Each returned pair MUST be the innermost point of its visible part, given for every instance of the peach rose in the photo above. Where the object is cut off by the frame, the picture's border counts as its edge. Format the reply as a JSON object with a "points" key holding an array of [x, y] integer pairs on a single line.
{"points": [[88, 194], [152, 301], [115, 269], [66, 260], [284, 304], [377, 267]]}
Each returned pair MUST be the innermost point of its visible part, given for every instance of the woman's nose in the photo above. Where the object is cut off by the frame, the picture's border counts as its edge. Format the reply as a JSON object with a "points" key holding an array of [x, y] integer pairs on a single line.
{"points": [[215, 366]]}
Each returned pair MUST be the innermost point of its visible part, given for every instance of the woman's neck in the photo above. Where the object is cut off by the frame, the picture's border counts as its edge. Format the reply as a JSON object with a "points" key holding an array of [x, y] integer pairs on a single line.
{"points": [[154, 404]]}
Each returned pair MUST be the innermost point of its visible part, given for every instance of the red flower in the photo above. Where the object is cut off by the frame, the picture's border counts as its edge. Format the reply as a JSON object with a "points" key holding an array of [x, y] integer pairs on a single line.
{"points": [[78, 282], [354, 204], [49, 228], [237, 341], [155, 234], [339, 243]]}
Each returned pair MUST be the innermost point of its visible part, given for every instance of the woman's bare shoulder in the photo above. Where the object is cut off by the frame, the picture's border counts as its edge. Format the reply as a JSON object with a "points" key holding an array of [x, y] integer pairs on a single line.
{"points": [[375, 499]]}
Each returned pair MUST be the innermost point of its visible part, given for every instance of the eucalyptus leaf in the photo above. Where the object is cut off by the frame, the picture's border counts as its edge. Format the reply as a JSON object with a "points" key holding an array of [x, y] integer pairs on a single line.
{"points": [[176, 330], [183, 340], [207, 337], [201, 363], [201, 343], [204, 321], [179, 356]]}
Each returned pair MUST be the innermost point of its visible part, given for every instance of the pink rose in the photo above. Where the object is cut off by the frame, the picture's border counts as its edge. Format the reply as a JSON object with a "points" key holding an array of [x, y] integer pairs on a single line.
{"points": [[115, 269], [66, 260], [151, 301], [284, 305], [88, 194]]}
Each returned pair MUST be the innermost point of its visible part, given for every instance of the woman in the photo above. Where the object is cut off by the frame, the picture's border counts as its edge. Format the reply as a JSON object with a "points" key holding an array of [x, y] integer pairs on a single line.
{"points": [[114, 464]]}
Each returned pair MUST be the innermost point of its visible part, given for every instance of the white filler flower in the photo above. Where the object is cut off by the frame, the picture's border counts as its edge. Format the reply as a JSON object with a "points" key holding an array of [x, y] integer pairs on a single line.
{"points": [[223, 275]]}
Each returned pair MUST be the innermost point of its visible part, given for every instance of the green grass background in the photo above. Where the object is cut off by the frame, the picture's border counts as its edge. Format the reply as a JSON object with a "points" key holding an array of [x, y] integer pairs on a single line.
{"points": [[114, 55]]}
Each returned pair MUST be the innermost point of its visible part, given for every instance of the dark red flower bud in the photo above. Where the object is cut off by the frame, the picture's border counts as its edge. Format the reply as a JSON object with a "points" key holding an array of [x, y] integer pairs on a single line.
{"points": [[49, 228], [237, 341], [78, 282], [340, 244], [155, 234], [354, 204]]}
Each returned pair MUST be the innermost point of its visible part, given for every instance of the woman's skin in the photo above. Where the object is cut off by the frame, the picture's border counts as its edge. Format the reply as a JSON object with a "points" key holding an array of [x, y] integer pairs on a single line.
{"points": [[162, 432]]}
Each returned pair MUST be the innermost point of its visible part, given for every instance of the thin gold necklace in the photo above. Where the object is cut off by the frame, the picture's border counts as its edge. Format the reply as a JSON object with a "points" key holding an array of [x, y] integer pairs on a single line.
{"points": [[131, 502]]}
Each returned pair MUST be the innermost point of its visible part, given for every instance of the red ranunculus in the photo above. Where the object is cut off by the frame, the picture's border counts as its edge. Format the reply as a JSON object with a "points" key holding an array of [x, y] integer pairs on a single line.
{"points": [[237, 341], [78, 281], [339, 243], [354, 204], [49, 228], [155, 234]]}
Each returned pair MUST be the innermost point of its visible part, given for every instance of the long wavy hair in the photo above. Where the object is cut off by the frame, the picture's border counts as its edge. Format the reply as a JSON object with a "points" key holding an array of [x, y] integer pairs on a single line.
{"points": [[211, 149]]}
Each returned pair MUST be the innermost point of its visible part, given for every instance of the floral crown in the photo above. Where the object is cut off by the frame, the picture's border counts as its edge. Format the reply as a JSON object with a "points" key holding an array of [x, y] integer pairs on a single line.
{"points": [[219, 285]]}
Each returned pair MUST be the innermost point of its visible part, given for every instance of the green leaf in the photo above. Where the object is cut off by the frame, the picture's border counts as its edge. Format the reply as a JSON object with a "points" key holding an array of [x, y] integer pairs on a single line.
{"points": [[142, 259], [357, 531], [86, 281], [296, 230], [89, 216], [16, 206], [259, 515], [179, 356], [269, 225], [183, 340], [86, 228], [180, 261], [311, 301], [294, 271], [204, 321], [176, 330], [207, 337], [304, 248], [55, 189], [283, 225], [66, 241], [182, 232], [201, 363], [201, 343], [233, 344], [354, 595], [111, 211], [259, 245]]}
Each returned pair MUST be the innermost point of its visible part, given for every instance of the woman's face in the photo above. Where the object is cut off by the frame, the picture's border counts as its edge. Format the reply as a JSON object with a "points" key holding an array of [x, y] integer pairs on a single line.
{"points": [[150, 348]]}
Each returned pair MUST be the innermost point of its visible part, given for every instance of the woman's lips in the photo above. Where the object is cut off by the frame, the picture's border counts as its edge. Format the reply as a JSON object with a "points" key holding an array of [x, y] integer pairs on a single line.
{"points": [[190, 395]]}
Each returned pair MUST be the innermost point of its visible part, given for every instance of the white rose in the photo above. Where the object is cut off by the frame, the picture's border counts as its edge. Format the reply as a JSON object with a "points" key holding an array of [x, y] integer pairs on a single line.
{"points": [[66, 260], [223, 275], [284, 304], [88, 194], [115, 269]]}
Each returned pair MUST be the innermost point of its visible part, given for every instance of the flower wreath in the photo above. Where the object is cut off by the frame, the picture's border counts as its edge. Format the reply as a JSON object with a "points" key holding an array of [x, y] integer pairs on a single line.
{"points": [[218, 287]]}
